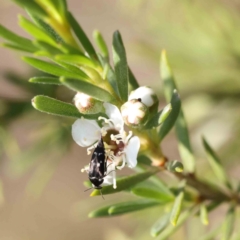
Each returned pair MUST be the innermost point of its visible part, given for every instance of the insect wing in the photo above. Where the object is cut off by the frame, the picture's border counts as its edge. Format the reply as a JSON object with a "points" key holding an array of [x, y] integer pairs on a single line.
{"points": [[97, 168]]}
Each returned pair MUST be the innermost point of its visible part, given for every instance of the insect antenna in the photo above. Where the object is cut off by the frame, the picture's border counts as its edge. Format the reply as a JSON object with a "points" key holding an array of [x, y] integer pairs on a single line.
{"points": [[101, 194], [88, 189]]}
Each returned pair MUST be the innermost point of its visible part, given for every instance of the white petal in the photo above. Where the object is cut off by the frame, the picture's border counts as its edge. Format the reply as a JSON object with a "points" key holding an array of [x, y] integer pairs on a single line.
{"points": [[85, 132], [115, 115], [109, 179], [131, 151]]}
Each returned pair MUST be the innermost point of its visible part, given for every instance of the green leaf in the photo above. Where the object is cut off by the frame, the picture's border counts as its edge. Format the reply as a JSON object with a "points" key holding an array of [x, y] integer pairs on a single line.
{"points": [[45, 80], [172, 117], [120, 66], [88, 88], [204, 214], [152, 193], [101, 44], [177, 206], [133, 83], [170, 229], [32, 6], [18, 42], [122, 208], [35, 31], [215, 164], [46, 46], [47, 29], [126, 207], [50, 68], [126, 182], [109, 73], [74, 69], [101, 212], [160, 225], [82, 37], [16, 47], [60, 6], [159, 118], [228, 225], [77, 59], [59, 108], [184, 145]]}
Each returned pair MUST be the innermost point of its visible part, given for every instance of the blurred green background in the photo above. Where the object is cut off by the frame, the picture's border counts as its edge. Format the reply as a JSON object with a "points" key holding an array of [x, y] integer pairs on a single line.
{"points": [[42, 195]]}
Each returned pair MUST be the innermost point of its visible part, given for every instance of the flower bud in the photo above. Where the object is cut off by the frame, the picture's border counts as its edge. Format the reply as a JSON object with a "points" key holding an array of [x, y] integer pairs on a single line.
{"points": [[135, 113], [86, 104], [146, 94], [175, 166]]}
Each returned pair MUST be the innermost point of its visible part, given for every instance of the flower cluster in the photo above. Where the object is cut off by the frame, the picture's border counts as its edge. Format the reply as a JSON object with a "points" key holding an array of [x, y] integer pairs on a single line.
{"points": [[120, 147]]}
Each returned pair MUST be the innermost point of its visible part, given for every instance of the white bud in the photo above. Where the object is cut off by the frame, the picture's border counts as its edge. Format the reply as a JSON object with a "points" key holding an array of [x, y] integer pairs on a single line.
{"points": [[146, 94], [86, 104], [134, 113]]}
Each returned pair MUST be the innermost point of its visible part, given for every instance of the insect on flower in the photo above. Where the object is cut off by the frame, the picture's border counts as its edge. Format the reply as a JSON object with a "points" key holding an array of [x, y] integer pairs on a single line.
{"points": [[119, 148], [98, 166]]}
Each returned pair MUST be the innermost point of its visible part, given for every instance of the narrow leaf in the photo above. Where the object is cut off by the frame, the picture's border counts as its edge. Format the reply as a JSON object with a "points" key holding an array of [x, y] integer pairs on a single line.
{"points": [[59, 108], [17, 40], [82, 37], [215, 164], [101, 44], [50, 68], [35, 31], [177, 206], [73, 69], [185, 148], [109, 74], [126, 182], [32, 6], [101, 212], [120, 66], [45, 80], [160, 225], [77, 59], [88, 88], [47, 29], [46, 46], [159, 118], [60, 6], [170, 229], [204, 214], [122, 208], [172, 117], [228, 225], [17, 47], [152, 193]]}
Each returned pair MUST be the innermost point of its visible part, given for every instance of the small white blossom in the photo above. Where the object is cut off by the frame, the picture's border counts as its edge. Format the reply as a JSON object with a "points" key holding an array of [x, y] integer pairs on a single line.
{"points": [[120, 147], [87, 104], [134, 113], [146, 94]]}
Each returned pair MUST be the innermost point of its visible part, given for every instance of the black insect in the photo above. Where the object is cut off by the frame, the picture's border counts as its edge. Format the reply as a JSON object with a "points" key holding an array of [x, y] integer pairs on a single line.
{"points": [[98, 166]]}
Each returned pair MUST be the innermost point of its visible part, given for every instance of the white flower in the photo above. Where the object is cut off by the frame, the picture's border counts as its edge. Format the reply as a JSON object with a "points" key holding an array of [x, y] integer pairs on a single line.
{"points": [[135, 113], [120, 147], [146, 94]]}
